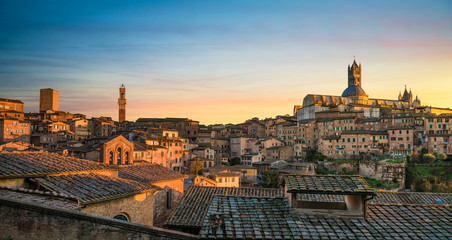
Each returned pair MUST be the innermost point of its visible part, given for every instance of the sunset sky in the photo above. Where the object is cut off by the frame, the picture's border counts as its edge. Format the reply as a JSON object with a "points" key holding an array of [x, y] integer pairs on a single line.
{"points": [[220, 61]]}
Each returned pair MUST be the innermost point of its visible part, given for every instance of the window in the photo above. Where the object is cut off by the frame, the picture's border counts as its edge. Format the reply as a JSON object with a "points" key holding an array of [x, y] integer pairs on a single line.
{"points": [[169, 198], [111, 157], [119, 156], [127, 158], [220, 180], [121, 217]]}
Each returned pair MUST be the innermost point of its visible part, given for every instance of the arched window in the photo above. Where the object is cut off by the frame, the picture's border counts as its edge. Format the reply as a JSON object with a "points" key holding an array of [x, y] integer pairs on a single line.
{"points": [[127, 158], [110, 157], [121, 217], [119, 156]]}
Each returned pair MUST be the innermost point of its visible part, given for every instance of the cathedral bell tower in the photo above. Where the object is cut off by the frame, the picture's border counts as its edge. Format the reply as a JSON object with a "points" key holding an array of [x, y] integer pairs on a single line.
{"points": [[354, 74], [354, 90], [122, 102]]}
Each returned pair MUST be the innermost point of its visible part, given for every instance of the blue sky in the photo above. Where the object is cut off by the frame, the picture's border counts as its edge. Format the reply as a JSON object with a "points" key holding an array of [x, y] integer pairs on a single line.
{"points": [[220, 61]]}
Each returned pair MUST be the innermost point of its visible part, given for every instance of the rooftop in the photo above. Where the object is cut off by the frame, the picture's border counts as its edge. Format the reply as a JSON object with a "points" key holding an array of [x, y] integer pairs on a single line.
{"points": [[413, 198], [384, 222], [250, 218], [148, 173], [39, 197], [196, 201], [91, 188], [326, 184], [34, 164]]}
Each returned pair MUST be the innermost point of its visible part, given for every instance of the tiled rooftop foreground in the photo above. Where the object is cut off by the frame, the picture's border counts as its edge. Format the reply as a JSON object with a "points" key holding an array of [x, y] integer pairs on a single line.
{"points": [[89, 188], [148, 173], [233, 217], [413, 198], [250, 218], [403, 198], [39, 198], [37, 164], [327, 184], [384, 222], [191, 210]]}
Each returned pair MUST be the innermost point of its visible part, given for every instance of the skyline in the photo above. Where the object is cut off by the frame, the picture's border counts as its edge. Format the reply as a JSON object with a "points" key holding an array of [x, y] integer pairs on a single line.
{"points": [[219, 62]]}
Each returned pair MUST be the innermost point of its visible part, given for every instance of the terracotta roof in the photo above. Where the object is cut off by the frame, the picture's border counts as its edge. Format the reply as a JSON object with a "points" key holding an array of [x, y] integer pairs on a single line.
{"points": [[194, 205], [416, 198], [148, 173], [384, 222], [91, 188], [226, 174], [10, 100], [250, 218], [27, 164], [328, 184]]}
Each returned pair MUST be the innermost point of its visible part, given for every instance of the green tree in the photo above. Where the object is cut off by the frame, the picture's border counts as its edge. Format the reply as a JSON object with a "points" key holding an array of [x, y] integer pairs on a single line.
{"points": [[441, 157], [197, 167], [271, 179], [320, 157], [310, 155], [235, 161], [424, 151]]}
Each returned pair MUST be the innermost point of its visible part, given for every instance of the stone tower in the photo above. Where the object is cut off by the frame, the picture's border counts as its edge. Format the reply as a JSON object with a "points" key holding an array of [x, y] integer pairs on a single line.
{"points": [[48, 100], [354, 74], [122, 102]]}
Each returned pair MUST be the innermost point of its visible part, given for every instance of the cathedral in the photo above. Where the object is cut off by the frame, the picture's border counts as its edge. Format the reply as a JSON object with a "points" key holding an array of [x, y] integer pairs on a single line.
{"points": [[355, 99]]}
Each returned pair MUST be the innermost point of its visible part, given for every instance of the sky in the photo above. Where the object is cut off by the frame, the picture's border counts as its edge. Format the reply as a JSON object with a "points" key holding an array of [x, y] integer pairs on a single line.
{"points": [[220, 61]]}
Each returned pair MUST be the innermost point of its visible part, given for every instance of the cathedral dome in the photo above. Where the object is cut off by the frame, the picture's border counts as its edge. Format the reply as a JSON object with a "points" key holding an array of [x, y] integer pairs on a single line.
{"points": [[353, 91]]}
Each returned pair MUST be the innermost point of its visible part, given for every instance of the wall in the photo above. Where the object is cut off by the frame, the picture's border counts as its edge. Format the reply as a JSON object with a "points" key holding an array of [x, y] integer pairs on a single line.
{"points": [[28, 221], [384, 171], [380, 170], [161, 209], [138, 208], [338, 166]]}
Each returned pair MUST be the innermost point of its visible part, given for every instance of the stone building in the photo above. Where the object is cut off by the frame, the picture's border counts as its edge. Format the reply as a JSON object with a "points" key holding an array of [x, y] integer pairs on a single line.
{"points": [[187, 128], [171, 186], [352, 143], [12, 129], [287, 132], [11, 108], [80, 127], [117, 150], [11, 105], [68, 181], [401, 141], [103, 127], [48, 100]]}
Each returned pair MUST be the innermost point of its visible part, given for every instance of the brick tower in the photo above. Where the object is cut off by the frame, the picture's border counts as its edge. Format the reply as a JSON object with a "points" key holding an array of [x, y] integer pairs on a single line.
{"points": [[122, 102]]}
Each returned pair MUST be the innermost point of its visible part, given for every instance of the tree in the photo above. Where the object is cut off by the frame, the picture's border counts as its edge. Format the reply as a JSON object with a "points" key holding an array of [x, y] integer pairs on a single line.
{"points": [[320, 157], [441, 157], [271, 179], [197, 167], [235, 161], [310, 155], [424, 151]]}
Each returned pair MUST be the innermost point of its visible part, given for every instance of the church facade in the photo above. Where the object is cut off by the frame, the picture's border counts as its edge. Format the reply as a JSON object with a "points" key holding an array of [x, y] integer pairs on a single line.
{"points": [[355, 99]]}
